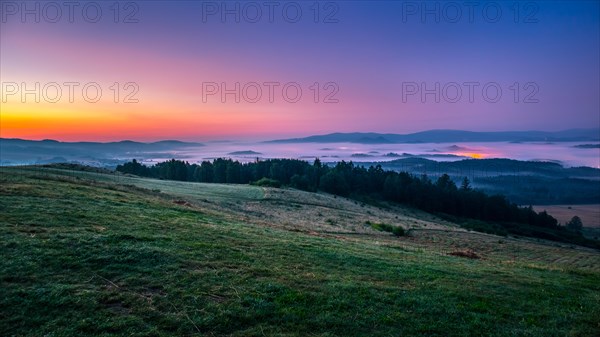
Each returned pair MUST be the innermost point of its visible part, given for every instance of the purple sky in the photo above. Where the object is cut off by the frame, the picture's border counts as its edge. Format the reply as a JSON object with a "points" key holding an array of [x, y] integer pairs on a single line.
{"points": [[372, 52]]}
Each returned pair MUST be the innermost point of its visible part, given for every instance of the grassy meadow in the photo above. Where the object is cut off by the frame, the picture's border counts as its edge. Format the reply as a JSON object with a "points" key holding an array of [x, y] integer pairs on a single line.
{"points": [[92, 254]]}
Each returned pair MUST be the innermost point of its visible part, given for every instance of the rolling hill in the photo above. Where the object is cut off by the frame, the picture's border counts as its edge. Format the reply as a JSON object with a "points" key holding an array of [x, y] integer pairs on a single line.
{"points": [[91, 253]]}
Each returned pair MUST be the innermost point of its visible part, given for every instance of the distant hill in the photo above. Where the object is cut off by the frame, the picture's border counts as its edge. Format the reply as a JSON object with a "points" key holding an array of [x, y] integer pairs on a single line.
{"points": [[587, 146], [450, 136], [120, 144], [244, 153], [20, 151]]}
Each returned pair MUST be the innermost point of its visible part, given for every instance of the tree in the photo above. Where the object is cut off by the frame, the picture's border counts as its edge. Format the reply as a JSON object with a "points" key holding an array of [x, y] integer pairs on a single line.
{"points": [[172, 170], [317, 163], [134, 167], [575, 224], [219, 170], [444, 183], [205, 172], [465, 185], [333, 182], [391, 187], [278, 172], [233, 172]]}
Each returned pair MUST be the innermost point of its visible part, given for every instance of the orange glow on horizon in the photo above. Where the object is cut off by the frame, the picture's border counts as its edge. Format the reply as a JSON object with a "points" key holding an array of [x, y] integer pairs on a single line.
{"points": [[146, 122], [473, 155]]}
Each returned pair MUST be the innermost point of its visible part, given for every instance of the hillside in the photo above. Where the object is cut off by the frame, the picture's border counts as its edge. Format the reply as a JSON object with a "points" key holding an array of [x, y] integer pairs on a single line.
{"points": [[89, 253]]}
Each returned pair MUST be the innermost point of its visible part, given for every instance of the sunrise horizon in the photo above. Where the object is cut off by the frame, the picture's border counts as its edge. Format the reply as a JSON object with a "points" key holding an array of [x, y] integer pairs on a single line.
{"points": [[153, 71]]}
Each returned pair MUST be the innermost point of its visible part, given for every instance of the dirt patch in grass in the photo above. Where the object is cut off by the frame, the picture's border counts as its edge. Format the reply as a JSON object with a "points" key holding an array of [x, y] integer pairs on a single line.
{"points": [[182, 203], [468, 253]]}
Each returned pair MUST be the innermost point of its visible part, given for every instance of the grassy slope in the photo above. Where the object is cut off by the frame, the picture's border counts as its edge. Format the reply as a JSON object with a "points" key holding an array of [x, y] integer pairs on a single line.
{"points": [[97, 258]]}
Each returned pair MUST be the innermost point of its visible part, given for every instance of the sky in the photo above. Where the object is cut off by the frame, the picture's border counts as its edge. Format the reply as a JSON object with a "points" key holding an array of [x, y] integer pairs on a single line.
{"points": [[210, 70]]}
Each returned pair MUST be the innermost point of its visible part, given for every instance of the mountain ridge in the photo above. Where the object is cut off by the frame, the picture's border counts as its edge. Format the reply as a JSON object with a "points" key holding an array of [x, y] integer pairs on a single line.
{"points": [[448, 136], [120, 142]]}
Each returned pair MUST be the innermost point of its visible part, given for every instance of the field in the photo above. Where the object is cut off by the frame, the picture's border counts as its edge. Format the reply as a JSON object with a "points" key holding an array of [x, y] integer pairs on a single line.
{"points": [[589, 214], [87, 253]]}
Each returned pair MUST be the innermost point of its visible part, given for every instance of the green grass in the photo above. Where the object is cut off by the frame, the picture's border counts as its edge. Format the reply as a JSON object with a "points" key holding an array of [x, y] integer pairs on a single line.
{"points": [[96, 258], [200, 191]]}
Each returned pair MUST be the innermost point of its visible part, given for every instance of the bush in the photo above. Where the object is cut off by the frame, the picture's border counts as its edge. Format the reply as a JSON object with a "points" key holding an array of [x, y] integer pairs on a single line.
{"points": [[396, 230], [266, 182]]}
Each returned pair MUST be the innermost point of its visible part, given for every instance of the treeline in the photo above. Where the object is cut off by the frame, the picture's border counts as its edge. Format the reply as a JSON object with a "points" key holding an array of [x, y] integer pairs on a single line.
{"points": [[346, 179], [544, 190]]}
